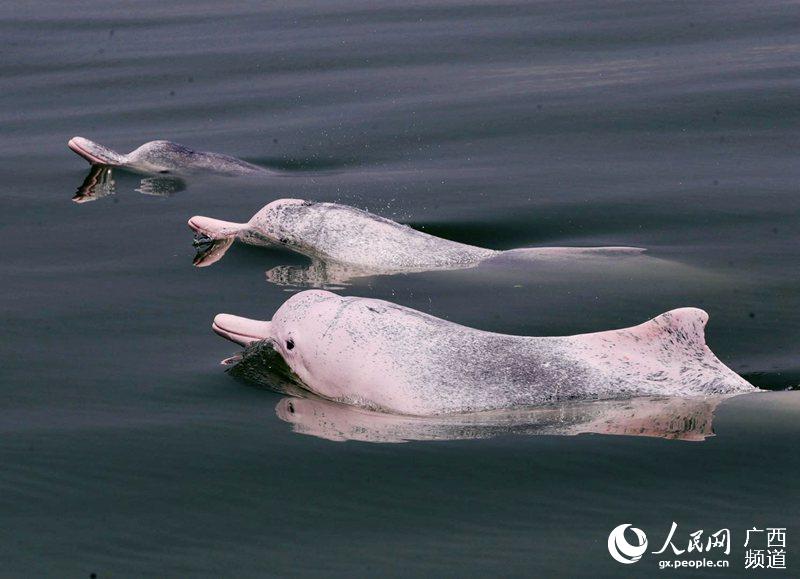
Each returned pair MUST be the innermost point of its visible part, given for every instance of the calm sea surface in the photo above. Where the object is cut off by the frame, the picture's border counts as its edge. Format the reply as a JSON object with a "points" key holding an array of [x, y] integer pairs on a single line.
{"points": [[127, 451]]}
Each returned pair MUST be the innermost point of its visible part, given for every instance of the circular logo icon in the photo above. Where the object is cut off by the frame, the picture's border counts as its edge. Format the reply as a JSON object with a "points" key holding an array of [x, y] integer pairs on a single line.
{"points": [[621, 550]]}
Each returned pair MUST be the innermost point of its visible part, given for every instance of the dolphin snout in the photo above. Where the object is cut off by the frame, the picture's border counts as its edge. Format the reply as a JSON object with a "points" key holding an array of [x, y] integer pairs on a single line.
{"points": [[94, 153], [84, 148], [243, 331], [215, 228]]}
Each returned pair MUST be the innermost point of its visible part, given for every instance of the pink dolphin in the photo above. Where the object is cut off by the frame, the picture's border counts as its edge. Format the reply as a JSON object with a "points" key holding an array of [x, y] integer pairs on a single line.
{"points": [[160, 157], [345, 242], [385, 357]]}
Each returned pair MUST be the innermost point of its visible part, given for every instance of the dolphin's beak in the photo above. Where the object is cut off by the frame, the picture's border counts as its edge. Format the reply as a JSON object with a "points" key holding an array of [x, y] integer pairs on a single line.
{"points": [[243, 331], [215, 228], [93, 152]]}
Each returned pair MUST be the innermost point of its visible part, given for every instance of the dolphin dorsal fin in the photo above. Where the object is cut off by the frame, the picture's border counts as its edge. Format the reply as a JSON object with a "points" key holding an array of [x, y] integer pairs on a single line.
{"points": [[680, 326], [671, 338], [667, 354]]}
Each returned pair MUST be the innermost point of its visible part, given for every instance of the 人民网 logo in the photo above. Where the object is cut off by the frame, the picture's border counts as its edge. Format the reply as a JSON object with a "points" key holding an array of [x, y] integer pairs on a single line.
{"points": [[623, 551]]}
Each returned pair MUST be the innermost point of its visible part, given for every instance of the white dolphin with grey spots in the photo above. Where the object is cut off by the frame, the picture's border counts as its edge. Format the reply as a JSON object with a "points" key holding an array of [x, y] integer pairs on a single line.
{"points": [[162, 157], [385, 357], [345, 242]]}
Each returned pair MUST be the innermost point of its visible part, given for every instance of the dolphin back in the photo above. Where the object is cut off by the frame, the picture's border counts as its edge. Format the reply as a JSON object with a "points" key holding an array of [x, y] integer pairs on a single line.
{"points": [[349, 235], [461, 369]]}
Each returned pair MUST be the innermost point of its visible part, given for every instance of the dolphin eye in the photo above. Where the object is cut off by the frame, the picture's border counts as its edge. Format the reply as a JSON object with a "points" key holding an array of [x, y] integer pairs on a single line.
{"points": [[291, 408], [289, 344]]}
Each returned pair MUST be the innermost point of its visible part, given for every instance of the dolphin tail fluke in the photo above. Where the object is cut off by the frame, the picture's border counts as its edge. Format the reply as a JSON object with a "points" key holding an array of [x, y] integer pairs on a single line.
{"points": [[668, 353], [95, 153], [215, 229]]}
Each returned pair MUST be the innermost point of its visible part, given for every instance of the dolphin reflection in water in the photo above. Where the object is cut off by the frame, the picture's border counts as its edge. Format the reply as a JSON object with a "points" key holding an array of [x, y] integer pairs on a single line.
{"points": [[688, 419], [100, 183]]}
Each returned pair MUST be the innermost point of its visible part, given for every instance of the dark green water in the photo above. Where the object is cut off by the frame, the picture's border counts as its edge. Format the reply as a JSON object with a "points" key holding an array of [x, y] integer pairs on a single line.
{"points": [[127, 451]]}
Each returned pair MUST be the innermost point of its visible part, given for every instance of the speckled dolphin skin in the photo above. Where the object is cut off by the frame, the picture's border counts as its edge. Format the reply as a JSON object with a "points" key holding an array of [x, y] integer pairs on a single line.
{"points": [[389, 358], [358, 242], [160, 157]]}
